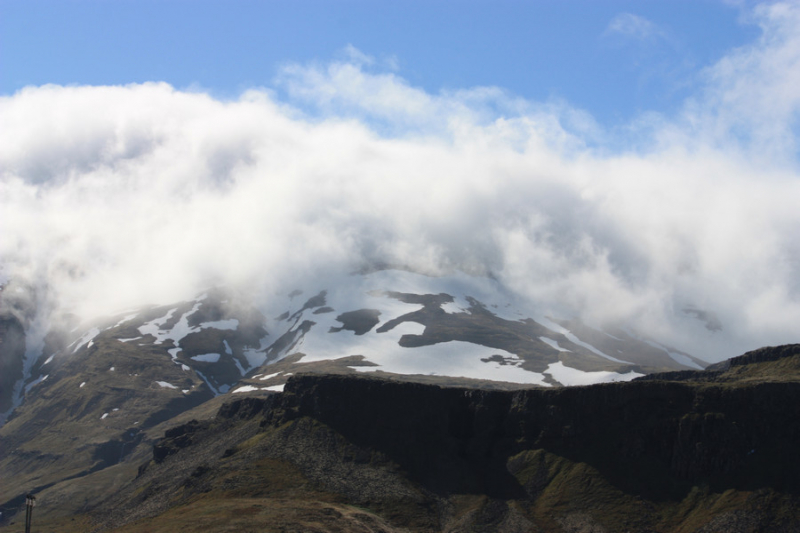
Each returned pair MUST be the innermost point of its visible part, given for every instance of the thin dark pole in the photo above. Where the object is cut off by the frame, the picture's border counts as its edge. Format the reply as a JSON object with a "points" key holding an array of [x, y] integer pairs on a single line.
{"points": [[30, 501]]}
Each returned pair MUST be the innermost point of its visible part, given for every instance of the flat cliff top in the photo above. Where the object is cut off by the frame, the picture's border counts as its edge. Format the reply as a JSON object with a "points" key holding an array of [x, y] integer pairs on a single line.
{"points": [[769, 364]]}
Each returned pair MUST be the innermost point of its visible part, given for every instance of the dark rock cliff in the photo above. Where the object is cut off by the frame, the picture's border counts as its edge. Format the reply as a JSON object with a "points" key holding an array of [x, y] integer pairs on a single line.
{"points": [[656, 439], [713, 451]]}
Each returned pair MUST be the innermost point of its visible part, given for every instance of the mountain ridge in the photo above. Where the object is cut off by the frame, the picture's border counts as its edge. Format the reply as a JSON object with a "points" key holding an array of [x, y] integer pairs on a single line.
{"points": [[658, 455], [99, 394], [363, 453]]}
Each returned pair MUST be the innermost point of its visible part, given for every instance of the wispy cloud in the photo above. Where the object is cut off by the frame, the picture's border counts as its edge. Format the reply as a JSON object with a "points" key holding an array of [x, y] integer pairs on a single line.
{"points": [[355, 56], [633, 26], [112, 196], [751, 95]]}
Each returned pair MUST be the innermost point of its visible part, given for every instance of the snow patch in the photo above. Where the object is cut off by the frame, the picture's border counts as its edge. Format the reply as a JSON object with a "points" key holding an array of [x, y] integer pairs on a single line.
{"points": [[182, 328], [125, 319], [166, 385], [319, 344], [675, 356], [242, 370], [458, 285], [575, 340], [154, 326], [370, 292], [256, 357], [129, 340], [265, 378], [455, 358], [684, 360], [453, 308], [35, 382], [553, 343], [251, 388], [210, 386], [104, 416], [81, 385], [207, 357], [572, 376], [178, 331], [230, 323], [87, 337]]}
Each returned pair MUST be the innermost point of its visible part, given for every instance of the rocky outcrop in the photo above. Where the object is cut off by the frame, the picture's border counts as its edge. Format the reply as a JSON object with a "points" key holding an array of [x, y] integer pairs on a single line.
{"points": [[177, 438], [650, 438], [713, 453], [762, 355]]}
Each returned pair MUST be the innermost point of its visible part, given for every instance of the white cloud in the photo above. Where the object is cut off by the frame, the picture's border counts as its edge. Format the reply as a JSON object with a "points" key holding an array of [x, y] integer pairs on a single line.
{"points": [[751, 98], [355, 56], [634, 26], [112, 196]]}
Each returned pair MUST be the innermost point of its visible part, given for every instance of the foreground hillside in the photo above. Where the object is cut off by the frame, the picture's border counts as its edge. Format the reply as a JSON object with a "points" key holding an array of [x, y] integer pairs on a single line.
{"points": [[707, 451]]}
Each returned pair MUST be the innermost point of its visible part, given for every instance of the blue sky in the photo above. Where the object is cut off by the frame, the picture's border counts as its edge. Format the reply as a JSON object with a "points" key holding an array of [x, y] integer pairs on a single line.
{"points": [[614, 59]]}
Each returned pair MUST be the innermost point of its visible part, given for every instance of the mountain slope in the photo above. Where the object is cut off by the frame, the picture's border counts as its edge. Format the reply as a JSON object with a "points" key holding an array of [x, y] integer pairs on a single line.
{"points": [[12, 352], [715, 452], [96, 394], [395, 321]]}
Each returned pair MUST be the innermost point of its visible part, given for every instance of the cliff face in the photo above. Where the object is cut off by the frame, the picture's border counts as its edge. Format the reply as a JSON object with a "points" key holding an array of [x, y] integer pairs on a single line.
{"points": [[711, 451], [703, 451], [655, 439]]}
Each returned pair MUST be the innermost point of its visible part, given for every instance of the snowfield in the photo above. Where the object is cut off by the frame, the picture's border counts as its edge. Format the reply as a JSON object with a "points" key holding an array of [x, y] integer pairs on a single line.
{"points": [[366, 303], [571, 376], [327, 340]]}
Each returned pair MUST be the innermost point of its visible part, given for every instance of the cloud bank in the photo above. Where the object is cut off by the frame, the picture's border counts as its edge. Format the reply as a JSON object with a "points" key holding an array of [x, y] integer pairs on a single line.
{"points": [[116, 196]]}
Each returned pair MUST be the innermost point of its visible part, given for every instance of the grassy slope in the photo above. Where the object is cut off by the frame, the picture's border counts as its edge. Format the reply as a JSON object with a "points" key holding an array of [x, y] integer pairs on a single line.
{"points": [[305, 475]]}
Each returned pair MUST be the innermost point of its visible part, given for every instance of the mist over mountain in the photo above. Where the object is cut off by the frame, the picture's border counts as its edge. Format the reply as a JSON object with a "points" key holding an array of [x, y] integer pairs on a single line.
{"points": [[347, 300], [119, 196]]}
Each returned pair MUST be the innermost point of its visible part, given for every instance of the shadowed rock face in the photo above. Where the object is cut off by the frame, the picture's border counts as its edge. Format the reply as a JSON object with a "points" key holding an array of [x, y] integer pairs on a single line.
{"points": [[655, 439], [12, 352], [715, 451], [708, 451]]}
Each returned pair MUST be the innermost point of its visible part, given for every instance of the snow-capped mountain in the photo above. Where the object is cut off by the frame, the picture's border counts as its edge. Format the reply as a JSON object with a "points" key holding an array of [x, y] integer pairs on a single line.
{"points": [[399, 322], [88, 396], [386, 321]]}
